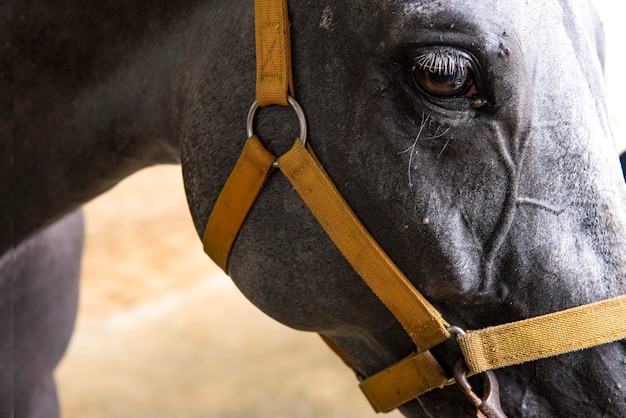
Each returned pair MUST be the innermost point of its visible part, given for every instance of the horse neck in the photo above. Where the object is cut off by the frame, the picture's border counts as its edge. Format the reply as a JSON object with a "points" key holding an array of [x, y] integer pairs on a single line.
{"points": [[97, 97]]}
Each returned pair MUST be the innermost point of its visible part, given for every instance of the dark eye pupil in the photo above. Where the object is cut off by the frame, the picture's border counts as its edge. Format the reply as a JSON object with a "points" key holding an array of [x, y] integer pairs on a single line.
{"points": [[454, 79], [443, 83]]}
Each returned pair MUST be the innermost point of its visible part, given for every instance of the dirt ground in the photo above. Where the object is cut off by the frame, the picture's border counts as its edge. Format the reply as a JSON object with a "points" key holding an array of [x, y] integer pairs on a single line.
{"points": [[163, 333]]}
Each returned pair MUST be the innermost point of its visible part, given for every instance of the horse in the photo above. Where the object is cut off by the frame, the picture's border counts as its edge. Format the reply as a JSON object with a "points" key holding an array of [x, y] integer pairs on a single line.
{"points": [[470, 138], [39, 281]]}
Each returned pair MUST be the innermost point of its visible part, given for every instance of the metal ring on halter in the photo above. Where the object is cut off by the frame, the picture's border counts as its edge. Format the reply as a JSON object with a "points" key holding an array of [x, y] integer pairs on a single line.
{"points": [[454, 330], [457, 331], [296, 108]]}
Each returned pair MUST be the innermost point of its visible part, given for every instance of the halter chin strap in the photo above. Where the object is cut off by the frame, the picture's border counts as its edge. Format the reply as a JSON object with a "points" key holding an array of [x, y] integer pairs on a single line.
{"points": [[490, 348]]}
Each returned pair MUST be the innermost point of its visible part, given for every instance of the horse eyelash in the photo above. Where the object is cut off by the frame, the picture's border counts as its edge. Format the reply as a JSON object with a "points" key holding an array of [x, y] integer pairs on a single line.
{"points": [[442, 62]]}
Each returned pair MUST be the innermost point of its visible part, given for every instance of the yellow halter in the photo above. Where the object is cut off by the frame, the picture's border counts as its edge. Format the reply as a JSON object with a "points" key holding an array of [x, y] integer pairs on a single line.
{"points": [[486, 349]]}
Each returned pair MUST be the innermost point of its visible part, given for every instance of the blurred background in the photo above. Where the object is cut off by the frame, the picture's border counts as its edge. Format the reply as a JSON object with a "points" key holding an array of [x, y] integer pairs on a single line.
{"points": [[163, 333]]}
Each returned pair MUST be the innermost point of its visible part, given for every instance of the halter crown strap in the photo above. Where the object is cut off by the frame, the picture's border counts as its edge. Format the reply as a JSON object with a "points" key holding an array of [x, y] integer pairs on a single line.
{"points": [[273, 51]]}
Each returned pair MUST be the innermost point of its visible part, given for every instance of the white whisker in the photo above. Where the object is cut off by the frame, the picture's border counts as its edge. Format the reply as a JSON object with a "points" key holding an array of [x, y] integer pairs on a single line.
{"points": [[439, 135], [444, 145], [413, 148]]}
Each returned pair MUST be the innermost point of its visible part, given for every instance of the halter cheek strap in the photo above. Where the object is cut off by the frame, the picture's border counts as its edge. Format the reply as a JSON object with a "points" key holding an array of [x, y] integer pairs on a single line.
{"points": [[235, 200], [490, 348], [417, 374], [418, 317]]}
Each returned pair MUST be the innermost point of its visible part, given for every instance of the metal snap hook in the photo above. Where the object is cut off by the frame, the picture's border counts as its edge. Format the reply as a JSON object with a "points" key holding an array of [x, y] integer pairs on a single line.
{"points": [[489, 405], [296, 107]]}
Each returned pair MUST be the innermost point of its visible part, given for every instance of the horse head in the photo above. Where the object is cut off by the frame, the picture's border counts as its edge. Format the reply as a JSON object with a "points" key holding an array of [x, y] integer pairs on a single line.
{"points": [[472, 141]]}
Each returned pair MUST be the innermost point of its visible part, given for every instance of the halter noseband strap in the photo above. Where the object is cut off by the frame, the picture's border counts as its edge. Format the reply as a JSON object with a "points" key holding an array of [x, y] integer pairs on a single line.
{"points": [[490, 348]]}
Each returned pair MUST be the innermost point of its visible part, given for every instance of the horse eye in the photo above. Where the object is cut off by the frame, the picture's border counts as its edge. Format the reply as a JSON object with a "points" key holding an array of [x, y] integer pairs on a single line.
{"points": [[444, 72]]}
